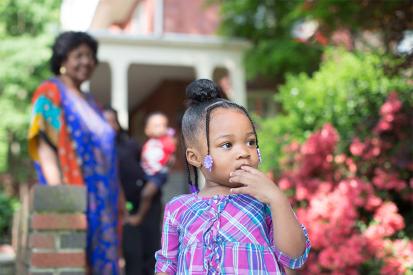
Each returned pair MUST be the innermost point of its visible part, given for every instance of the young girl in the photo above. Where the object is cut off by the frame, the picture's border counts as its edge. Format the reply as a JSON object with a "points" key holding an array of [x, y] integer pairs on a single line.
{"points": [[240, 222]]}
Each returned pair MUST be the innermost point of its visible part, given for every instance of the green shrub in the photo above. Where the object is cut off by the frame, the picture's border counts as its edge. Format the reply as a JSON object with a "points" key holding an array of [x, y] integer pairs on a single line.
{"points": [[7, 207], [347, 91]]}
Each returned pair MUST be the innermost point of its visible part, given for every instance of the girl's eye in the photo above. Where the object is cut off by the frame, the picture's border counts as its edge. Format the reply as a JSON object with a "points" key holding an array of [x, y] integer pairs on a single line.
{"points": [[226, 145], [252, 142]]}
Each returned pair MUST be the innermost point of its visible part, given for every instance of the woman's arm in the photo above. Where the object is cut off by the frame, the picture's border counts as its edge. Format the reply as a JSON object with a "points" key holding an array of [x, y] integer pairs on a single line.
{"points": [[49, 163]]}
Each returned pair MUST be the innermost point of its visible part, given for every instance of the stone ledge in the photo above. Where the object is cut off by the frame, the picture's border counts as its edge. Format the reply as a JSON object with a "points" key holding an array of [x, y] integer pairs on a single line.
{"points": [[60, 198]]}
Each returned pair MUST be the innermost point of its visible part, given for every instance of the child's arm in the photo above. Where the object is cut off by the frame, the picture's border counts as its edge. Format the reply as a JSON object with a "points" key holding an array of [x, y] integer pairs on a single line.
{"points": [[289, 236]]}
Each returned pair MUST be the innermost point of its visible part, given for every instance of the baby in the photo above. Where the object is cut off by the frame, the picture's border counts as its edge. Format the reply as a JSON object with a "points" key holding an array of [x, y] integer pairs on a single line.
{"points": [[157, 155]]}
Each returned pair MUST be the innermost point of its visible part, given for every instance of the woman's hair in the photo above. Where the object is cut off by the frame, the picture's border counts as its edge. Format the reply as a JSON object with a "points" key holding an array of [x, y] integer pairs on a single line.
{"points": [[203, 97], [66, 42], [108, 108]]}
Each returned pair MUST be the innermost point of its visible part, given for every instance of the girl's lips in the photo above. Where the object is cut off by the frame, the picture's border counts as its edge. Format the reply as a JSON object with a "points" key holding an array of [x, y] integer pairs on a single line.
{"points": [[239, 167]]}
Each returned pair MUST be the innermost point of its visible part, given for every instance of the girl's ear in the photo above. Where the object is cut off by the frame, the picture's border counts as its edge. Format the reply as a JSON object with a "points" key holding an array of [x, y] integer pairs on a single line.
{"points": [[193, 157]]}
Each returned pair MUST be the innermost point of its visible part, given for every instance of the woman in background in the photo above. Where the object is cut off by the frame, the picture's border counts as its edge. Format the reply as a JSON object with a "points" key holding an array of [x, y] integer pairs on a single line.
{"points": [[71, 143], [140, 240]]}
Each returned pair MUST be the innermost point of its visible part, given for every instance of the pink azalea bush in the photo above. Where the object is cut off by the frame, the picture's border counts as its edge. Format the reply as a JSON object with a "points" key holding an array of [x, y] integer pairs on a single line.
{"points": [[357, 204]]}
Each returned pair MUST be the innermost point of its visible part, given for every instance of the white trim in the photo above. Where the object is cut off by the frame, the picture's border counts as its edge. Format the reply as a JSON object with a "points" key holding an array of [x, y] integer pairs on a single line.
{"points": [[173, 40], [158, 18], [119, 91]]}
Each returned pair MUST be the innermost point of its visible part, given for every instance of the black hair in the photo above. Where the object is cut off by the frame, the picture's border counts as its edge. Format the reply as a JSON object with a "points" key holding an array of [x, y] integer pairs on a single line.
{"points": [[108, 108], [66, 42], [203, 97]]}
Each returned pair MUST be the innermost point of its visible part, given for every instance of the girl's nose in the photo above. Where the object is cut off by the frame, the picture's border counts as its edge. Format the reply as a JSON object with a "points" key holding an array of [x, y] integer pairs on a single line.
{"points": [[243, 153]]}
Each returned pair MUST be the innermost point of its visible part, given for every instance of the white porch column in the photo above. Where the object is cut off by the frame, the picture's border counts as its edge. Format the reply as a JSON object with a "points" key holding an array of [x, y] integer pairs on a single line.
{"points": [[238, 84], [204, 70], [119, 90]]}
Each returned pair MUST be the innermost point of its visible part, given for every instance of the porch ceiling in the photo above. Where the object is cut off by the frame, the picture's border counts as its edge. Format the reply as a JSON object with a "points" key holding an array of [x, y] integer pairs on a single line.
{"points": [[144, 79], [137, 64]]}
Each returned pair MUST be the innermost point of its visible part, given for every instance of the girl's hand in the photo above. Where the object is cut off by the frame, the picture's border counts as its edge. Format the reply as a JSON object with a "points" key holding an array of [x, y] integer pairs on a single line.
{"points": [[256, 184]]}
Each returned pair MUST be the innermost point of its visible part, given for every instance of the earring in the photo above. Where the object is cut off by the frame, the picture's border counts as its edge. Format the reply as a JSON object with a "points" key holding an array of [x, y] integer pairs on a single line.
{"points": [[259, 155], [208, 161], [62, 70]]}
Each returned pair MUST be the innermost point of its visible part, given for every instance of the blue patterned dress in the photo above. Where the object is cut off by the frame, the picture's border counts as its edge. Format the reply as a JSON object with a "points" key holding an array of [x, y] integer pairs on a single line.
{"points": [[76, 127]]}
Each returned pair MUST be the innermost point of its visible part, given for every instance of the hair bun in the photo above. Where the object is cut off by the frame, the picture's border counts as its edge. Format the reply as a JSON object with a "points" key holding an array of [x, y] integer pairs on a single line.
{"points": [[202, 90]]}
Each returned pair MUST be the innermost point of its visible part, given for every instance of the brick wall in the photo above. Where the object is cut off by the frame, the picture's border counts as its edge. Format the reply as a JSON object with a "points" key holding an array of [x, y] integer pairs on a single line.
{"points": [[57, 232], [190, 17]]}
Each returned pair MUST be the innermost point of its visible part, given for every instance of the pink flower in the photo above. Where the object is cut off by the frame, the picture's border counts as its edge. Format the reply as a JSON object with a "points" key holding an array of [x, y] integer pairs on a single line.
{"points": [[327, 258], [387, 180], [372, 202], [285, 184], [383, 126], [392, 104], [389, 112], [357, 147], [392, 267], [388, 221], [340, 197]]}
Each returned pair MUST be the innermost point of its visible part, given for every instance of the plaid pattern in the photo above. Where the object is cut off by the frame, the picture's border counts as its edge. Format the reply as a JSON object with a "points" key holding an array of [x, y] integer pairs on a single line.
{"points": [[221, 235]]}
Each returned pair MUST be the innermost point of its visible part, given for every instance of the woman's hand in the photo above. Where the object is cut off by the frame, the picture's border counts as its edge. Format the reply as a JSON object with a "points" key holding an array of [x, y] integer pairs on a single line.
{"points": [[256, 184]]}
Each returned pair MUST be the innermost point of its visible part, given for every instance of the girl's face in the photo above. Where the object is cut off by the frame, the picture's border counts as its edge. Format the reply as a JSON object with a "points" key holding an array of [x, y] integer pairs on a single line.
{"points": [[232, 144]]}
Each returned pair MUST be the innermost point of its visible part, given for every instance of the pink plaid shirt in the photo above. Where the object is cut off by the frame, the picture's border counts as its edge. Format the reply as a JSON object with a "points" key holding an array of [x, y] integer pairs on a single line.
{"points": [[221, 235]]}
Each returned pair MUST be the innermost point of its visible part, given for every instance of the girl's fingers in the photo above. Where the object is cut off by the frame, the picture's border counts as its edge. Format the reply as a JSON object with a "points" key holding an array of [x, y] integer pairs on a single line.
{"points": [[240, 190], [244, 170], [243, 178], [237, 172], [251, 170]]}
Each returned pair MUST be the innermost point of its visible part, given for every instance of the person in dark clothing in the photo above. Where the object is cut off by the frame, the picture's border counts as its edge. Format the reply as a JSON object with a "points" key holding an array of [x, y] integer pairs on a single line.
{"points": [[139, 242]]}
